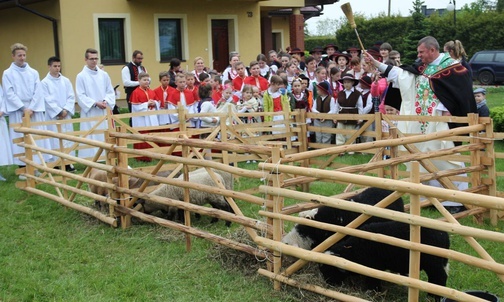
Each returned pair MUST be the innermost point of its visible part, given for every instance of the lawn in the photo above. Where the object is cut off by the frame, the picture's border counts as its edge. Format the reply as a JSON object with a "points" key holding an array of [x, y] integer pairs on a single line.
{"points": [[50, 253]]}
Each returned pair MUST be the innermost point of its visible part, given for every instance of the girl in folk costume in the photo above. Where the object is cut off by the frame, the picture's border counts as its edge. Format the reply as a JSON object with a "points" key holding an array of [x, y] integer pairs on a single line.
{"points": [[206, 105], [199, 68], [248, 103], [162, 95], [255, 79], [217, 88], [238, 80], [349, 102], [230, 72], [296, 60], [334, 85], [265, 70], [275, 99], [143, 99], [291, 73], [180, 96], [226, 102], [311, 66], [284, 60], [320, 76], [356, 68], [298, 98], [6, 158], [190, 80]]}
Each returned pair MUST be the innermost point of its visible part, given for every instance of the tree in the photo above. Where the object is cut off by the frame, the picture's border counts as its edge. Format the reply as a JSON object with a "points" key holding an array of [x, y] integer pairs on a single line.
{"points": [[327, 27], [418, 31]]}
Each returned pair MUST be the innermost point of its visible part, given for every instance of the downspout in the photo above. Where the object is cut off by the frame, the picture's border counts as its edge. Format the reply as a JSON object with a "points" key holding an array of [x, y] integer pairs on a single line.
{"points": [[54, 24]]}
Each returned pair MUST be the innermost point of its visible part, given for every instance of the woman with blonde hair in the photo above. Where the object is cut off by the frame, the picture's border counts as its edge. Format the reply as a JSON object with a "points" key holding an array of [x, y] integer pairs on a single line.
{"points": [[199, 68], [457, 52]]}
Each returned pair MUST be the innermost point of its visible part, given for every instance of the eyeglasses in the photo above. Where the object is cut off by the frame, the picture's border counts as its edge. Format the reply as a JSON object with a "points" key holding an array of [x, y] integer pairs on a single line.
{"points": [[93, 59]]}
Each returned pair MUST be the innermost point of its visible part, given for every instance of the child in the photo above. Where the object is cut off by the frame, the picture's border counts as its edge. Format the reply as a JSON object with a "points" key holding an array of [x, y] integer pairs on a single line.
{"points": [[143, 99], [480, 97], [336, 87], [349, 102], [206, 105], [226, 102], [190, 80], [367, 103], [356, 68], [255, 78], [323, 103], [389, 110], [265, 70], [248, 103], [256, 93], [274, 100], [216, 88], [311, 66], [162, 95], [180, 96], [342, 60], [291, 70], [320, 76]]}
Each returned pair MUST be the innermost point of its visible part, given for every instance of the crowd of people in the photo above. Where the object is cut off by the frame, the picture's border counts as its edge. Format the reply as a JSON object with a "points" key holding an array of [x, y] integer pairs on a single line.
{"points": [[328, 80]]}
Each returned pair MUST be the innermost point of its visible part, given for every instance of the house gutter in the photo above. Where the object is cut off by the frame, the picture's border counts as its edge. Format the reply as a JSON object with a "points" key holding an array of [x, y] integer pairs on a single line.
{"points": [[54, 25]]}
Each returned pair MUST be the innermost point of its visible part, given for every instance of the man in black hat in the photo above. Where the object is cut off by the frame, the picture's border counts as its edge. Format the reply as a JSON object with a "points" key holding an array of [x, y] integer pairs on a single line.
{"points": [[317, 54], [426, 91]]}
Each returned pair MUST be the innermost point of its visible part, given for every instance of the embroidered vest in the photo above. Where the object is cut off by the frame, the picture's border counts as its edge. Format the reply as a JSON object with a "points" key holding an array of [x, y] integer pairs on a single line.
{"points": [[348, 106]]}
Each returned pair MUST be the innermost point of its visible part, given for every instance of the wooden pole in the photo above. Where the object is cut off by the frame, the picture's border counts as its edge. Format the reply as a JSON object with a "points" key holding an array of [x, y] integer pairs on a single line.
{"points": [[63, 161], [363, 270], [389, 184], [489, 265], [122, 161], [414, 257], [313, 288], [383, 143], [187, 199], [394, 152]]}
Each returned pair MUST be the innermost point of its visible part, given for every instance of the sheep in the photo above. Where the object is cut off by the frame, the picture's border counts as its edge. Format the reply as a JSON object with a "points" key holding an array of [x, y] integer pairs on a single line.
{"points": [[133, 182], [308, 237], [199, 176], [382, 256]]}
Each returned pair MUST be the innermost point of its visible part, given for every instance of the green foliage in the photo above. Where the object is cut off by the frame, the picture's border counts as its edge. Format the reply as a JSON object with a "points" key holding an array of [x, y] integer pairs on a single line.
{"points": [[497, 114], [479, 26], [311, 43]]}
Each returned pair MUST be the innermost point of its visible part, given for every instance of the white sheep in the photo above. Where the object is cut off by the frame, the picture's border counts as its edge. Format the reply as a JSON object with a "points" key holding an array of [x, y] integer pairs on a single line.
{"points": [[199, 176]]}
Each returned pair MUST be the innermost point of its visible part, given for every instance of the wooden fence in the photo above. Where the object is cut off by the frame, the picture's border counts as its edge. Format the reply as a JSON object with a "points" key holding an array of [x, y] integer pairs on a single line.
{"points": [[289, 163]]}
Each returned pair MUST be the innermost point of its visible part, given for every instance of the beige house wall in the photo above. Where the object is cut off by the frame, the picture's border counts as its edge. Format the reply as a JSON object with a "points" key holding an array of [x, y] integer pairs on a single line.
{"points": [[78, 31]]}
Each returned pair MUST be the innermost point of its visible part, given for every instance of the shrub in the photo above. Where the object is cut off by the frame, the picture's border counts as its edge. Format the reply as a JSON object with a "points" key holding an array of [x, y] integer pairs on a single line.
{"points": [[497, 114]]}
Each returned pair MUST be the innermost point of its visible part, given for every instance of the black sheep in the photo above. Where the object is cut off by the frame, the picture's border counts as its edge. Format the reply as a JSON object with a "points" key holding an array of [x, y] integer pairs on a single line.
{"points": [[383, 256], [308, 237]]}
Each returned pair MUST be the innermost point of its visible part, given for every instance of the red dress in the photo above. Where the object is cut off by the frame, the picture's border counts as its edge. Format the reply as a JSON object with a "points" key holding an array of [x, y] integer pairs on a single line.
{"points": [[139, 96]]}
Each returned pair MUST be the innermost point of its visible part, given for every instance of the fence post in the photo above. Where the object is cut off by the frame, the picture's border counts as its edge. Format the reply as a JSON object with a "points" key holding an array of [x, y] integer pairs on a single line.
{"points": [[379, 136], [394, 151], [303, 142], [414, 264], [30, 170], [63, 161], [492, 170], [122, 162], [276, 207], [187, 213]]}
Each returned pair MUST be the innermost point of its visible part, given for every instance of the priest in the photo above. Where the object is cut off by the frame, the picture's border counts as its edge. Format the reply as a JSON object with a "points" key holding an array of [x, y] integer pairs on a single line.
{"points": [[436, 85]]}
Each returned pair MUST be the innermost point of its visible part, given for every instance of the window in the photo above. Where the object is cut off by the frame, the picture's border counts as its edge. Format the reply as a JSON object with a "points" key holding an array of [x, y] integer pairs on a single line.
{"points": [[170, 39], [111, 35], [484, 57]]}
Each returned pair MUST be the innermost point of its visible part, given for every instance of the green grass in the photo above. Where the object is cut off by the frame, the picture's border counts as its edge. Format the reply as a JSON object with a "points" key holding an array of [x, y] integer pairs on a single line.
{"points": [[495, 96], [50, 253]]}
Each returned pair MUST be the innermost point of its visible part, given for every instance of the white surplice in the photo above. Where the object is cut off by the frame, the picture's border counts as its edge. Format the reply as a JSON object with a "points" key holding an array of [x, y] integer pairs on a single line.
{"points": [[93, 86], [58, 96], [22, 90], [5, 142]]}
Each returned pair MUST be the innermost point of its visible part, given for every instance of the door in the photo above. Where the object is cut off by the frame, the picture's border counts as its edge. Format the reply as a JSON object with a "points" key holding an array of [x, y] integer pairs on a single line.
{"points": [[220, 44]]}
